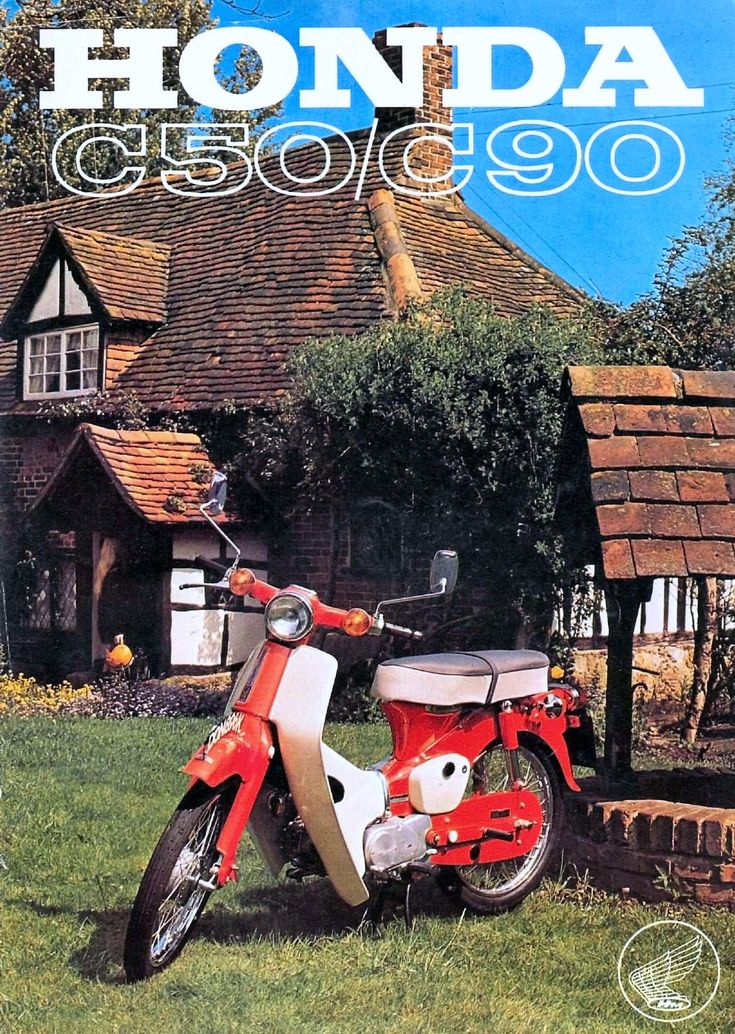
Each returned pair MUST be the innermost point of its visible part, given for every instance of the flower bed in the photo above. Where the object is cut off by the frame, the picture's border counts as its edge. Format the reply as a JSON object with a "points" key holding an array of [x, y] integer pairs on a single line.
{"points": [[22, 696], [115, 697]]}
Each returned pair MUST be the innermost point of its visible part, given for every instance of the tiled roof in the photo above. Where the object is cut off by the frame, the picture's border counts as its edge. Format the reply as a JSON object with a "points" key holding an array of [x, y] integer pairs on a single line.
{"points": [[128, 276], [651, 451], [161, 475], [254, 273]]}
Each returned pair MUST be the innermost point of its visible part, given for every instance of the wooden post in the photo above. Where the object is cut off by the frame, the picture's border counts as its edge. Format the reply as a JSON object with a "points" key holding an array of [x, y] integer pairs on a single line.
{"points": [[623, 603], [105, 551]]}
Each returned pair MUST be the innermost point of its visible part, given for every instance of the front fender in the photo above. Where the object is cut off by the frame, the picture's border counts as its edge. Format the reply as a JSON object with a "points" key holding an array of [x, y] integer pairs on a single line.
{"points": [[237, 753], [553, 740]]}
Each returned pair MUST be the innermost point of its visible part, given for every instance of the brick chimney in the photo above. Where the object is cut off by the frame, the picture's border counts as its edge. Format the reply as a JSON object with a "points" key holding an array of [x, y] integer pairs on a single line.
{"points": [[429, 158]]}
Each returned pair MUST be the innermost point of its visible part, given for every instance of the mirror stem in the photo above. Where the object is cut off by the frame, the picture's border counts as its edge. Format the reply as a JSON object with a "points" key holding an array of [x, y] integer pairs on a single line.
{"points": [[203, 510], [412, 599]]}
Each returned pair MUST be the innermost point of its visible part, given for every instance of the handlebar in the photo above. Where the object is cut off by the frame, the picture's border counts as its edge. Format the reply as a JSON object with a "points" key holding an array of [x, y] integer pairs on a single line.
{"points": [[219, 569], [325, 616], [203, 585], [403, 633]]}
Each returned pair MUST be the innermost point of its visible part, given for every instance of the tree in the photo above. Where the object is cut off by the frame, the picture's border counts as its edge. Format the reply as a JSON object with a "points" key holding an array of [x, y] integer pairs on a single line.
{"points": [[688, 319], [704, 639], [27, 134], [448, 422]]}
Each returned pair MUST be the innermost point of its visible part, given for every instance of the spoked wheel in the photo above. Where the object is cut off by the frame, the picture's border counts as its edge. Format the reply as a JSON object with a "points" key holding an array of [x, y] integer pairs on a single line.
{"points": [[171, 897], [499, 886]]}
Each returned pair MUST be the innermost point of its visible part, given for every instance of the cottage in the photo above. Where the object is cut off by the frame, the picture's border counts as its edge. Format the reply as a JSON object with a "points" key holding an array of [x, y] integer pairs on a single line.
{"points": [[188, 303]]}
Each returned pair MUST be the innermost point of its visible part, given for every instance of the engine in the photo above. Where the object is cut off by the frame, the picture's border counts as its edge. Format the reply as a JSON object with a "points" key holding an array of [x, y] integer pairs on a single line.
{"points": [[396, 842]]}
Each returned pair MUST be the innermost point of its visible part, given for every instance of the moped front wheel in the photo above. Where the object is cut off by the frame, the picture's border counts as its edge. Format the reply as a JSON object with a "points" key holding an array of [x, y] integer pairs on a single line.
{"points": [[496, 887], [171, 896]]}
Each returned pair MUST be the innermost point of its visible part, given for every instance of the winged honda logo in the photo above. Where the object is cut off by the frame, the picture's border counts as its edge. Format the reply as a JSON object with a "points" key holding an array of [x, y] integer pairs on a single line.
{"points": [[653, 981]]}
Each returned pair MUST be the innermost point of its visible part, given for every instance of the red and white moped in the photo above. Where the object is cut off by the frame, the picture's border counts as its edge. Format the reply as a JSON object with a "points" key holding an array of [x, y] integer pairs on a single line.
{"points": [[470, 793]]}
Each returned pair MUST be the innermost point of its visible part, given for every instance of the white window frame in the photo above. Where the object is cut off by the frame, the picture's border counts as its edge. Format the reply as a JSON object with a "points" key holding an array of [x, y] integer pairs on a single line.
{"points": [[63, 332]]}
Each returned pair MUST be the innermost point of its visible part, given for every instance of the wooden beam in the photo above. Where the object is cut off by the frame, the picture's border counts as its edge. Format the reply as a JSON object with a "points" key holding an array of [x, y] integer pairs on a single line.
{"points": [[623, 600]]}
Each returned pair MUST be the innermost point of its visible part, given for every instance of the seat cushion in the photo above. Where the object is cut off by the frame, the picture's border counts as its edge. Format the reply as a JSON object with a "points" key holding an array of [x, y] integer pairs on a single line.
{"points": [[448, 679]]}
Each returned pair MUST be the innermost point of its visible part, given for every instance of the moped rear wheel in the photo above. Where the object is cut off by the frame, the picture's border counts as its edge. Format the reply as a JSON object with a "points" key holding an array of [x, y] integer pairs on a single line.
{"points": [[496, 887], [171, 898]]}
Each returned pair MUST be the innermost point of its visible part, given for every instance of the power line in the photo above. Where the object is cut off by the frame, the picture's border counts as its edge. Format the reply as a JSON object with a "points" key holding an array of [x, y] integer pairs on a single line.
{"points": [[529, 246], [560, 104], [657, 118]]}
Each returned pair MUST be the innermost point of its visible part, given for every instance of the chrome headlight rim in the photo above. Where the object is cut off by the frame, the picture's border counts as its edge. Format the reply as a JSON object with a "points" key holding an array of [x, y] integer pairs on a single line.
{"points": [[301, 605]]}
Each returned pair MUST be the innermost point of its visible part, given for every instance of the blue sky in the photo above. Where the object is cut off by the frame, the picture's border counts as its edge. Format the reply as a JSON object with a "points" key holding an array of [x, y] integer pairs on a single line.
{"points": [[606, 243]]}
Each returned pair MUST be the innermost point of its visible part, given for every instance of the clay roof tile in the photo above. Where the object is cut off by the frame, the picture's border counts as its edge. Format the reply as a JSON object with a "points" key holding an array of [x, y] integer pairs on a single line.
{"points": [[253, 274], [157, 473], [659, 478]]}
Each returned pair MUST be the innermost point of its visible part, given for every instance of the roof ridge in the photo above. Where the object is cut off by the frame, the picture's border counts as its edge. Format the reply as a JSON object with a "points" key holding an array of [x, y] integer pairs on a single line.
{"points": [[656, 381], [514, 249], [64, 228], [400, 271], [151, 434]]}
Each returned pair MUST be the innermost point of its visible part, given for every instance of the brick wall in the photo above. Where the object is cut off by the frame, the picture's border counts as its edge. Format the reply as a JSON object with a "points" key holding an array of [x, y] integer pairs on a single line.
{"points": [[28, 456], [654, 850], [303, 555]]}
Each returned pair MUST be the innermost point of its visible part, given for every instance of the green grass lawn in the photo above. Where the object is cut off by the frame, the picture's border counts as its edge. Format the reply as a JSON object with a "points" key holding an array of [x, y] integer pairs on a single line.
{"points": [[83, 804]]}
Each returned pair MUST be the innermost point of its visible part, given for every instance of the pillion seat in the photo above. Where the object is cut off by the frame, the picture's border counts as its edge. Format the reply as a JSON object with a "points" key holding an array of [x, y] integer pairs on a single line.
{"points": [[448, 679]]}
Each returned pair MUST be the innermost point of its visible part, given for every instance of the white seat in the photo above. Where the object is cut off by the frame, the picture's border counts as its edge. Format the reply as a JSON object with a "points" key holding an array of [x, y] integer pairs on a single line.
{"points": [[451, 679]]}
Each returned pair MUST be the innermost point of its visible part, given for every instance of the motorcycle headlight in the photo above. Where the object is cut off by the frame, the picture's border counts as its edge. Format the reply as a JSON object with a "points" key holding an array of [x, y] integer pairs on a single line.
{"points": [[288, 617]]}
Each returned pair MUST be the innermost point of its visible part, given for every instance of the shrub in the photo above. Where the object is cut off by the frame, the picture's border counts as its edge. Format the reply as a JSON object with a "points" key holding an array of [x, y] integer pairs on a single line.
{"points": [[596, 708]]}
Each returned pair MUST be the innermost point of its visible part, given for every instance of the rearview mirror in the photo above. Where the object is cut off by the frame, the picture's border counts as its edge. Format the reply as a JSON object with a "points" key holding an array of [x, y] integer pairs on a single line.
{"points": [[217, 495], [444, 571]]}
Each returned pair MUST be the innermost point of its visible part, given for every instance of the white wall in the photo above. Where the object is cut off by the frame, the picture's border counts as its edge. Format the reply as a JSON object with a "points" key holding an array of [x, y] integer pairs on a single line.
{"points": [[196, 637], [46, 305], [196, 633]]}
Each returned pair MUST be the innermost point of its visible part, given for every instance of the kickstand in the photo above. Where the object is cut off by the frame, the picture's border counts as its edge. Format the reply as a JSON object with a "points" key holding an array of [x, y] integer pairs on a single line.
{"points": [[400, 892]]}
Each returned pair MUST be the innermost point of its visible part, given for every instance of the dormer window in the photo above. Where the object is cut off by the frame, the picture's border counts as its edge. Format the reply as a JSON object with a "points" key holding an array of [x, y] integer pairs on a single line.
{"points": [[88, 301], [61, 346], [62, 362]]}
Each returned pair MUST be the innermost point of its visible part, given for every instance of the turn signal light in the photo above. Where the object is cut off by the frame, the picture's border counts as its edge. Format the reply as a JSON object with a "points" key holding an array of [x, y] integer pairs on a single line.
{"points": [[241, 581], [356, 622], [556, 672]]}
